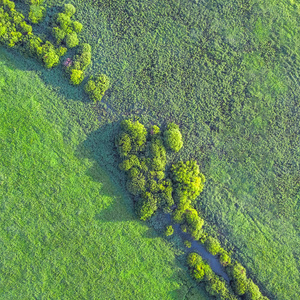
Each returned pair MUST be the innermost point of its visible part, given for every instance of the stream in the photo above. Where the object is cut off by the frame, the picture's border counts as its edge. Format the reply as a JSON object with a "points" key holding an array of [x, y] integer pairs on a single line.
{"points": [[197, 247]]}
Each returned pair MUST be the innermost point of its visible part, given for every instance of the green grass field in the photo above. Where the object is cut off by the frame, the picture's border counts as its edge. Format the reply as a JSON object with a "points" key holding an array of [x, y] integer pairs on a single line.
{"points": [[67, 230], [228, 74]]}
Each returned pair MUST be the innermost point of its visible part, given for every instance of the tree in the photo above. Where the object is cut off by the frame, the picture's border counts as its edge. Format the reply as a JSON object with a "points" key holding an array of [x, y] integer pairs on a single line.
{"points": [[76, 76], [173, 137], [97, 86], [72, 40], [212, 245]]}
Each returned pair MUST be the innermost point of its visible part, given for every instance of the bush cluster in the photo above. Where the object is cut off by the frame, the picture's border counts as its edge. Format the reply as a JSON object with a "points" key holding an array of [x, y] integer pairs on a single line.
{"points": [[37, 11], [81, 60], [201, 271], [65, 30], [14, 31], [144, 160], [97, 86]]}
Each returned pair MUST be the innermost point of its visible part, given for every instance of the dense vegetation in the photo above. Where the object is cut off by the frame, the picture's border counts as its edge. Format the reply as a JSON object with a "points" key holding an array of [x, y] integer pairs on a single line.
{"points": [[67, 230], [228, 74]]}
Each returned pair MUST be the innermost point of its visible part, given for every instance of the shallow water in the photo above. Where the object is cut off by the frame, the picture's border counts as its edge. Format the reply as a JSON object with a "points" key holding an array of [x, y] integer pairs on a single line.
{"points": [[197, 247]]}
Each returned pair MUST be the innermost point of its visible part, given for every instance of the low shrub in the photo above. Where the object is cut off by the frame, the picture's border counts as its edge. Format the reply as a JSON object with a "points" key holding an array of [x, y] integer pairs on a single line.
{"points": [[173, 137], [72, 40], [169, 230], [213, 245], [97, 86], [36, 13], [76, 76]]}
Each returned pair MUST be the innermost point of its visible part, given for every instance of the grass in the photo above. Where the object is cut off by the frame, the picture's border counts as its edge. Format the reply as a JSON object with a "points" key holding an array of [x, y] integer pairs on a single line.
{"points": [[228, 74], [67, 230]]}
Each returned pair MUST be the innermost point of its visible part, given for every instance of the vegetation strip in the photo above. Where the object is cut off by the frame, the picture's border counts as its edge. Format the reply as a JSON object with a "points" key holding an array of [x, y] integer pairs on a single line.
{"points": [[144, 159]]}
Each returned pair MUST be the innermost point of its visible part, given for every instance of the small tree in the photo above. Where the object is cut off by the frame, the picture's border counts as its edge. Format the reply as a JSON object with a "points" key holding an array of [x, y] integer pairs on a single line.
{"points": [[169, 230], [212, 245], [173, 137], [97, 86]]}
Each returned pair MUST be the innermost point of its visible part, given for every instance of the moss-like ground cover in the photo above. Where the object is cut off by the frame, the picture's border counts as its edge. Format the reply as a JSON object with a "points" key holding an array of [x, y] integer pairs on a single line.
{"points": [[67, 231]]}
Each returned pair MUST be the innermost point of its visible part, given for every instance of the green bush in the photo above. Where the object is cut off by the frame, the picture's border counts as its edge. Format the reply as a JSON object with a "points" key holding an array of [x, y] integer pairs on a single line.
{"points": [[64, 22], [193, 259], [173, 137], [76, 76], [77, 26], [137, 133], [69, 10], [253, 292], [238, 274], [148, 207], [194, 223], [136, 185], [187, 179], [97, 86], [169, 230], [225, 258], [216, 286], [212, 245], [58, 34], [188, 244], [123, 143], [72, 40], [36, 13]]}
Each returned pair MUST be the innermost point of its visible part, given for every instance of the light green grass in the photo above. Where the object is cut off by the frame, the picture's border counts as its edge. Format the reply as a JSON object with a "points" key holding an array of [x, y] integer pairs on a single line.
{"points": [[66, 230]]}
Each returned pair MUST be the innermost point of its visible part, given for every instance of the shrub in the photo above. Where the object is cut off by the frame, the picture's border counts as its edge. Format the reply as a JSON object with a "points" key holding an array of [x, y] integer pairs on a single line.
{"points": [[72, 40], [169, 230], [123, 143], [225, 258], [216, 286], [137, 133], [136, 185], [58, 34], [173, 137], [188, 179], [188, 244], [193, 259], [212, 245], [253, 292], [36, 13], [69, 10], [76, 76], [148, 207], [97, 86], [77, 26]]}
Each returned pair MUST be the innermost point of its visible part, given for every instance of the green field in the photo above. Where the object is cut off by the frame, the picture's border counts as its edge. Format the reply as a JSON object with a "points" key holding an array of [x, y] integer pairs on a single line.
{"points": [[67, 230], [228, 73]]}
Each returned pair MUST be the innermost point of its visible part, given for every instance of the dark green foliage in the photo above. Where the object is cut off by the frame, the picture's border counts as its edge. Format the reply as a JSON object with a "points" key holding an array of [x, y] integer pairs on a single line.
{"points": [[169, 230], [136, 185], [213, 245], [80, 62], [97, 86], [36, 13], [253, 292], [173, 137], [123, 143], [239, 278], [216, 286], [148, 207]]}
